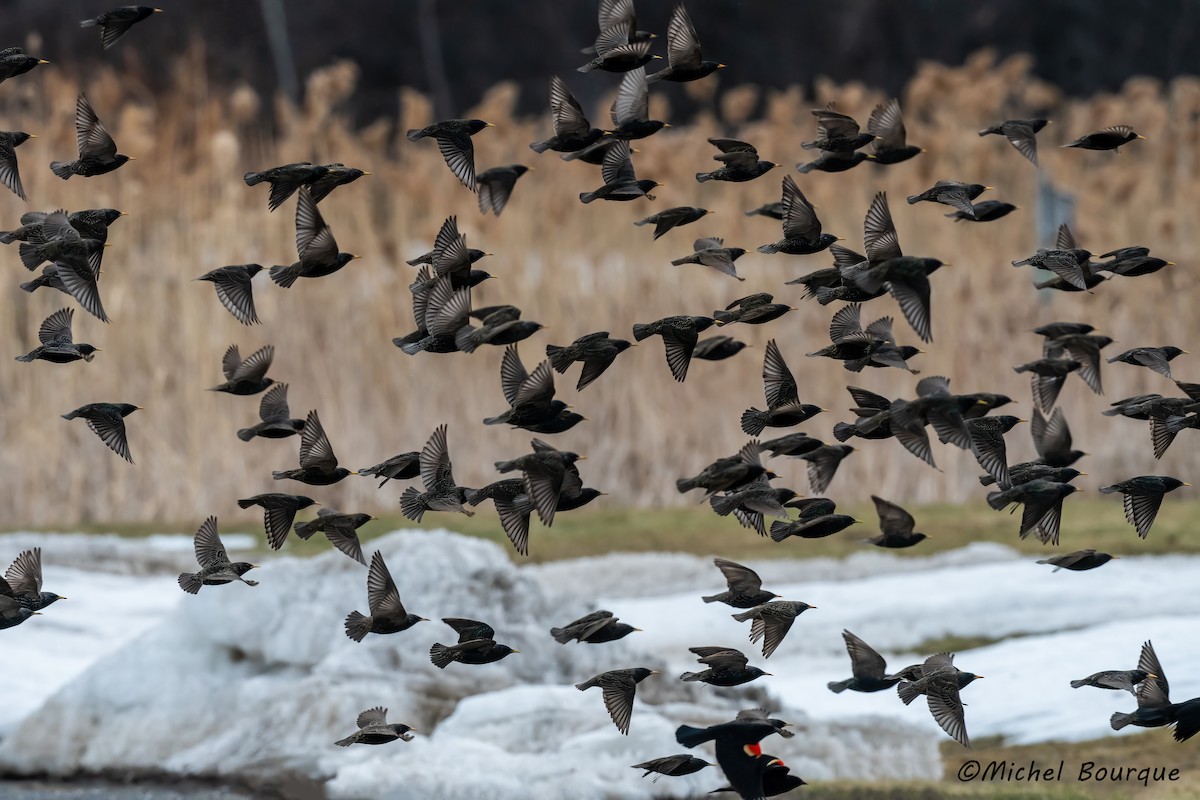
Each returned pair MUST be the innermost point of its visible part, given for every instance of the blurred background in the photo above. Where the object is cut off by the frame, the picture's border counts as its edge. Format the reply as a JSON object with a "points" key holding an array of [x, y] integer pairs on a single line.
{"points": [[210, 90]]}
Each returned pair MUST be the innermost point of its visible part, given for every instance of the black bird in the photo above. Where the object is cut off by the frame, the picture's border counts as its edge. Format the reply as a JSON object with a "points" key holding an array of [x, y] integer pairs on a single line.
{"points": [[1128, 679], [383, 599], [679, 335], [836, 132], [751, 501], [572, 133], [248, 376], [1021, 134], [717, 348], [619, 49], [454, 140], [745, 587], [77, 280], [116, 23], [23, 582], [594, 628], [619, 687], [476, 645], [596, 350], [14, 62], [619, 12], [1048, 377], [400, 467], [285, 180], [711, 252], [858, 347], [57, 345], [984, 211], [987, 443], [834, 162], [279, 511], [684, 59], [664, 221], [233, 285], [107, 420], [276, 416], [675, 766], [754, 309], [811, 526], [737, 744], [514, 507], [1052, 439], [772, 621], [502, 325], [441, 492], [1110, 138], [886, 124], [823, 463], [1142, 497], [1043, 501], [55, 238], [594, 153], [318, 464], [13, 613], [774, 776], [373, 728], [1078, 561], [620, 182], [741, 163], [773, 210], [631, 109], [335, 175], [97, 150], [868, 668], [10, 175], [341, 529], [549, 474], [801, 228], [725, 667], [1155, 358], [940, 682], [1155, 708], [784, 408], [729, 473], [215, 567], [1028, 471], [450, 257], [315, 246], [955, 194], [531, 398], [896, 527], [495, 186]]}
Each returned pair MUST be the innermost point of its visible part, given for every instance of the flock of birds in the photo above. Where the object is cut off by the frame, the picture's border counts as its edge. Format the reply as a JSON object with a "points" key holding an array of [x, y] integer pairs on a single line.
{"points": [[547, 480]]}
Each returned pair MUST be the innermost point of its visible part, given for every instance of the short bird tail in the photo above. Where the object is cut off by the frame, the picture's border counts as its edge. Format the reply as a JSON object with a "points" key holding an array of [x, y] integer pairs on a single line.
{"points": [[724, 316], [780, 530], [540, 147], [712, 598], [349, 740], [560, 360], [914, 198], [284, 276], [769, 248], [245, 503], [754, 421], [837, 687], [88, 23], [560, 635], [745, 615], [685, 485], [724, 505], [62, 169], [1077, 684], [688, 736], [908, 692], [464, 339], [412, 505], [31, 255], [246, 434], [691, 676], [843, 431], [642, 331], [587, 197], [189, 582], [415, 135], [997, 500], [703, 177], [253, 178], [26, 358], [440, 655], [305, 530], [357, 626], [1119, 720]]}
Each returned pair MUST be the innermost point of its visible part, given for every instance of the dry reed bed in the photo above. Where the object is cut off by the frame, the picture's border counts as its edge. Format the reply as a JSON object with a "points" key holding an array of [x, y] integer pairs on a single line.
{"points": [[574, 268]]}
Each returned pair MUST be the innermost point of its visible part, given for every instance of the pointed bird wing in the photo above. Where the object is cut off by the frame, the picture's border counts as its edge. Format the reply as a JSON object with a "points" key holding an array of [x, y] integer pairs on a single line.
{"points": [[879, 232], [778, 383], [111, 430], [1157, 690], [25, 574], [740, 579], [632, 103], [459, 153], [315, 450], [512, 374], [435, 461], [618, 699], [683, 47], [617, 166], [799, 219], [56, 328], [314, 238], [274, 405], [887, 124], [235, 293], [1140, 511], [1023, 139], [10, 173], [893, 519], [565, 111], [255, 366], [209, 550], [91, 139], [372, 716]]}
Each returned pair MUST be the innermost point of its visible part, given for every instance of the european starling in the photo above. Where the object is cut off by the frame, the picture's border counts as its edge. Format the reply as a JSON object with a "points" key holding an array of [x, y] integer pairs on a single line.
{"points": [[400, 467], [1142, 497], [116, 23], [107, 421], [315, 246], [476, 645], [572, 133], [530, 397], [341, 529], [439, 311], [97, 150], [773, 210], [801, 228], [1110, 138], [784, 408], [725, 667], [836, 132], [1052, 439], [454, 140], [549, 474], [754, 309], [1020, 134], [985, 211], [373, 728], [318, 464], [771, 622], [749, 502], [987, 443], [246, 377], [57, 346], [1028, 471], [711, 252], [675, 766], [335, 175], [1070, 265], [664, 221], [10, 175], [631, 109], [679, 335], [823, 463], [940, 682], [617, 50], [1043, 501], [955, 194], [279, 510], [745, 587], [833, 162], [23, 582], [1054, 330], [812, 528], [277, 422], [595, 628], [886, 124], [619, 12], [1049, 375], [717, 348], [1116, 680], [441, 492], [1155, 358], [49, 277], [495, 186], [383, 599], [1084, 348], [869, 669], [594, 153], [858, 347], [896, 528], [727, 474], [14, 62], [58, 236], [450, 257], [1133, 267], [215, 566], [514, 507], [1153, 696], [684, 60], [741, 163], [1079, 561], [234, 290], [620, 182], [285, 180], [13, 613], [596, 350], [502, 325], [619, 687]]}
